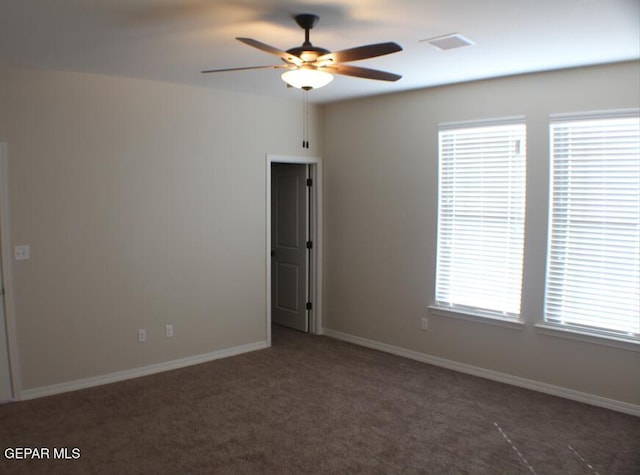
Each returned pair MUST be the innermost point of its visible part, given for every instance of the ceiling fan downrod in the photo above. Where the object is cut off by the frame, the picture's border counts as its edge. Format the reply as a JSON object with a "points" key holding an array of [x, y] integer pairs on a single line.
{"points": [[306, 21]]}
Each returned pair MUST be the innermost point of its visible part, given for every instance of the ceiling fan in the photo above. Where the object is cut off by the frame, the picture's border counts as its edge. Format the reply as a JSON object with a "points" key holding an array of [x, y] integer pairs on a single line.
{"points": [[310, 67]]}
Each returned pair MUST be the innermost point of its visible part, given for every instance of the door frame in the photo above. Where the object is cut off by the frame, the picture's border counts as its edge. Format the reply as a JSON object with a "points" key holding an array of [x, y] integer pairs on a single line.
{"points": [[5, 268], [315, 264]]}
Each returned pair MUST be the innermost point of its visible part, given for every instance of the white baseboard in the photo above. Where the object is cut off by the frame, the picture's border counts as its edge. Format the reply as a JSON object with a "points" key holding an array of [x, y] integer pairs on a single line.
{"points": [[566, 393], [138, 372]]}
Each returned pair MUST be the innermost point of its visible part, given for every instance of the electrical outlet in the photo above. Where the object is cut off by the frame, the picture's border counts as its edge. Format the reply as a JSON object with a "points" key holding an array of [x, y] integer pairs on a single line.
{"points": [[424, 324], [142, 335], [22, 252], [169, 330]]}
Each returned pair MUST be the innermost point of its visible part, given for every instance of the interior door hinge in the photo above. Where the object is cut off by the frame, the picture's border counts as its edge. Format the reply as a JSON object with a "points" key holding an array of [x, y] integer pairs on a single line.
{"points": [[309, 306], [309, 181], [309, 244]]}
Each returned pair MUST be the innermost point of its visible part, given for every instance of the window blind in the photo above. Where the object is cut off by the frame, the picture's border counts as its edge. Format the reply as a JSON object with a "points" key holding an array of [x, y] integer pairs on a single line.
{"points": [[481, 218], [593, 269]]}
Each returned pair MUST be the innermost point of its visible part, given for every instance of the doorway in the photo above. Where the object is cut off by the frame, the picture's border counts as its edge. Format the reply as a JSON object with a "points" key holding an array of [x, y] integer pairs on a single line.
{"points": [[6, 392], [291, 245], [294, 244], [7, 381]]}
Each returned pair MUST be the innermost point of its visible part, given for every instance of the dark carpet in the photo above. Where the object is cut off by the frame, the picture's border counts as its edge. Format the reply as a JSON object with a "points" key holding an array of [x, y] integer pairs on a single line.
{"points": [[312, 404]]}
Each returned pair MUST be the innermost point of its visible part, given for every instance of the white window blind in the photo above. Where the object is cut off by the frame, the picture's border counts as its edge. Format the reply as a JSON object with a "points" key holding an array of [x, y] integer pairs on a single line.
{"points": [[481, 218], [593, 269]]}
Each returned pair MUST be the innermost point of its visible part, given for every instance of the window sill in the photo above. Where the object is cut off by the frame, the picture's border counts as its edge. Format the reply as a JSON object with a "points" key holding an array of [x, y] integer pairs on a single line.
{"points": [[476, 317], [577, 334]]}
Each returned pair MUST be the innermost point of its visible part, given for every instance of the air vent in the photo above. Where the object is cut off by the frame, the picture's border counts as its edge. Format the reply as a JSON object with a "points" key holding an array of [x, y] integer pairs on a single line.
{"points": [[451, 41]]}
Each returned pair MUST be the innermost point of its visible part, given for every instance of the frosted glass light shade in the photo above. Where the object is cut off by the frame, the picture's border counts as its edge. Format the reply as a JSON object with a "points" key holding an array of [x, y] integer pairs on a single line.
{"points": [[307, 78]]}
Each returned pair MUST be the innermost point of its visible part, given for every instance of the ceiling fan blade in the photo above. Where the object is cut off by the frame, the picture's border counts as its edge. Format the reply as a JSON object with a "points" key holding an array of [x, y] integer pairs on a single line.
{"points": [[278, 66], [361, 52], [366, 73], [288, 57]]}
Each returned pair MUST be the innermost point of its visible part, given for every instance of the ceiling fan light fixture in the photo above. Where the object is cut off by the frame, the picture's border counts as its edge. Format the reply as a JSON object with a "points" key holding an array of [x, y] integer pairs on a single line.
{"points": [[307, 78]]}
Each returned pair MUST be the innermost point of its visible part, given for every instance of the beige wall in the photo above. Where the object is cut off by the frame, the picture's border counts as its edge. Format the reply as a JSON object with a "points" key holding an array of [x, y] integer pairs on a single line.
{"points": [[143, 204], [381, 182]]}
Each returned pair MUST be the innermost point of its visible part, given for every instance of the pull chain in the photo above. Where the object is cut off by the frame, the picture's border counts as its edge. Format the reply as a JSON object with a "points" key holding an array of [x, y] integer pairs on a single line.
{"points": [[305, 119]]}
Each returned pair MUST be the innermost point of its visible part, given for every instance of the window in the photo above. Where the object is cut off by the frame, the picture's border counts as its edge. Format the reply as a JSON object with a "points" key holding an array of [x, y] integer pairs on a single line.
{"points": [[481, 218], [593, 268]]}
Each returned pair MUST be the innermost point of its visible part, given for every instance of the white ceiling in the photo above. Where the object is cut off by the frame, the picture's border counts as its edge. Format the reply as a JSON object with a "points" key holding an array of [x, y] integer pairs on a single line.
{"points": [[173, 40]]}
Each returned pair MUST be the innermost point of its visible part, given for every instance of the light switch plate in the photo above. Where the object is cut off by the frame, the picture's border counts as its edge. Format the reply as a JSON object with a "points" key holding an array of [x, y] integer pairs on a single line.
{"points": [[22, 252]]}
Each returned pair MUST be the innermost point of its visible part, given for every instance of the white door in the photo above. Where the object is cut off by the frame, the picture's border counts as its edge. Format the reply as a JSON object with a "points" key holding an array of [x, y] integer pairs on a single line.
{"points": [[289, 242]]}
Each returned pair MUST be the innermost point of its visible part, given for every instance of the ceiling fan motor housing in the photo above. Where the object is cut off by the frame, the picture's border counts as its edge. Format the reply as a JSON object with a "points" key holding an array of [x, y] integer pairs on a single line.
{"points": [[308, 53]]}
